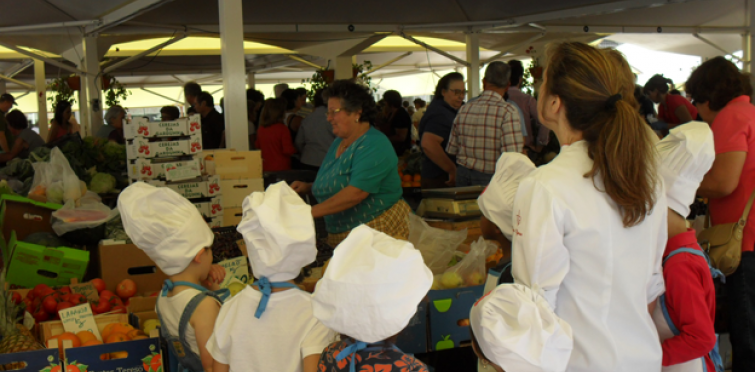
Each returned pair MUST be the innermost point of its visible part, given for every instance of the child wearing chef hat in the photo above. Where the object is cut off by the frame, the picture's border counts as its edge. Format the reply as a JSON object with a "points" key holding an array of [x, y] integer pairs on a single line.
{"points": [[497, 201], [369, 294], [269, 326], [685, 314], [167, 227], [515, 330]]}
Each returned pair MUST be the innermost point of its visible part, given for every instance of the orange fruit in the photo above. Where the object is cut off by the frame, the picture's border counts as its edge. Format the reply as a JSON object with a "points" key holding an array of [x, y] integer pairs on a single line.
{"points": [[139, 337], [407, 178], [116, 337], [135, 332], [417, 178], [92, 342], [86, 336], [417, 184], [71, 337], [107, 330], [118, 355]]}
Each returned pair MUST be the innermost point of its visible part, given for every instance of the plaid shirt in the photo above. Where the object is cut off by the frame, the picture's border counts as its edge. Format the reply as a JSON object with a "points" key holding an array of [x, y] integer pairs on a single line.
{"points": [[483, 130]]}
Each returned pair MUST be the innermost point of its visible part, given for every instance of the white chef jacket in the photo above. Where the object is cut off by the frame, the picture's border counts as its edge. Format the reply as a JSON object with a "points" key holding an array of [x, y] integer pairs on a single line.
{"points": [[569, 240]]}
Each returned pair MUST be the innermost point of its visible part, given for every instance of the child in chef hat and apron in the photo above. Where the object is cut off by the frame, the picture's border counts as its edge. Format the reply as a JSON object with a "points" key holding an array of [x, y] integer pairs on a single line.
{"points": [[515, 330], [369, 294], [685, 314], [269, 326], [167, 227]]}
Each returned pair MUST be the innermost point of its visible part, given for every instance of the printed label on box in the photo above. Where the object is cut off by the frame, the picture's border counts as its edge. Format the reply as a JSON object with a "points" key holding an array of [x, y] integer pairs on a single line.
{"points": [[211, 208], [86, 289], [182, 170], [235, 268], [79, 318], [199, 189], [143, 128], [141, 148]]}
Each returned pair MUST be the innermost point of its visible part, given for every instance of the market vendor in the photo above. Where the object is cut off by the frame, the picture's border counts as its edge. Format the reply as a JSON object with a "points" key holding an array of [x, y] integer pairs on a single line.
{"points": [[358, 182], [113, 130], [26, 140]]}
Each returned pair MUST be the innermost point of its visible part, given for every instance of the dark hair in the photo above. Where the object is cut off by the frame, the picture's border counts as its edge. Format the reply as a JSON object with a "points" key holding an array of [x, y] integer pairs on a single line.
{"points": [[393, 98], [658, 82], [718, 81], [17, 120], [353, 97], [301, 91], [597, 90], [192, 89], [254, 95], [445, 83], [290, 95], [405, 104], [273, 112], [420, 102], [191, 110], [171, 111], [517, 71], [318, 99], [60, 108], [206, 98], [675, 92]]}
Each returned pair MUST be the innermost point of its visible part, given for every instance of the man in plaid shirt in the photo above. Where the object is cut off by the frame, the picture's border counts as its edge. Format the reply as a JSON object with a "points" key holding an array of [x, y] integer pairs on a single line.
{"points": [[484, 129]]}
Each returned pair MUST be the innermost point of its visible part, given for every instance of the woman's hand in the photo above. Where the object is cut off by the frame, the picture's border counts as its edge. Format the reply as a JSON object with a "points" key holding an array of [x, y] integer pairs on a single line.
{"points": [[301, 187]]}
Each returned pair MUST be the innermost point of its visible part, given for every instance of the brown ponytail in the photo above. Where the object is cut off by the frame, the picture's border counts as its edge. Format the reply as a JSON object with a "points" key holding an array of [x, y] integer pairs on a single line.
{"points": [[597, 89]]}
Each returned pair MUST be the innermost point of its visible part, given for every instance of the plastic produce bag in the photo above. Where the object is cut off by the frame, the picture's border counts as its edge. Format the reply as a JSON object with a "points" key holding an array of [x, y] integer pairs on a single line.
{"points": [[87, 215], [471, 270], [55, 181], [437, 246]]}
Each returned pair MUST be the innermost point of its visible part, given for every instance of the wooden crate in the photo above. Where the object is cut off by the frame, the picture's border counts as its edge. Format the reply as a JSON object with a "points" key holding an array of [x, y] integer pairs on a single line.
{"points": [[55, 327], [232, 165], [235, 191], [472, 226], [232, 216]]}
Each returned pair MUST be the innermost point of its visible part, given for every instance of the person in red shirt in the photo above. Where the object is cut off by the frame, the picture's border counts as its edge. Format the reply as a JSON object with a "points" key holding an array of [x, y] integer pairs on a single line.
{"points": [[722, 95], [685, 314], [274, 138], [673, 109]]}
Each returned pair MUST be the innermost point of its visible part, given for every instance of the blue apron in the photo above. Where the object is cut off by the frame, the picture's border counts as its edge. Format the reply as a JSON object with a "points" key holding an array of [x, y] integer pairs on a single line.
{"points": [[357, 346]]}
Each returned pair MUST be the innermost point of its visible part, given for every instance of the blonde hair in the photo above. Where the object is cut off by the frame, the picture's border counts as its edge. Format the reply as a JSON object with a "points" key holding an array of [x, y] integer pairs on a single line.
{"points": [[597, 89]]}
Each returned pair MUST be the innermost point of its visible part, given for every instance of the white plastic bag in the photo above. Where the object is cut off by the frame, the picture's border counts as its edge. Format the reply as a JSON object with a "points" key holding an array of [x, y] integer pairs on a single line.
{"points": [[55, 181], [89, 214], [471, 270], [437, 246]]}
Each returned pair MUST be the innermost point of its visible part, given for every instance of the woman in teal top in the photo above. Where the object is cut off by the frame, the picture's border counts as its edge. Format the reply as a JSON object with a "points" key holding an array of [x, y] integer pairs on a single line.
{"points": [[358, 182]]}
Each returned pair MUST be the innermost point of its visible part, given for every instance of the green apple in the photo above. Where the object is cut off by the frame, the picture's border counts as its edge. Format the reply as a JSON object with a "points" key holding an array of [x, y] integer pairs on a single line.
{"points": [[474, 279], [447, 343], [236, 287], [451, 280]]}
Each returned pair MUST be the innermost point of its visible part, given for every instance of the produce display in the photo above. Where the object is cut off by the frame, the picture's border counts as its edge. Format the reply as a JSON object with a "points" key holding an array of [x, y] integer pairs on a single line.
{"points": [[15, 336]]}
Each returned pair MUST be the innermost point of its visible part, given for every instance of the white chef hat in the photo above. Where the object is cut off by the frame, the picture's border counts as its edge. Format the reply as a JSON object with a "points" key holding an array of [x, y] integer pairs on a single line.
{"points": [[164, 224], [372, 286], [517, 330], [279, 233], [686, 155], [497, 201]]}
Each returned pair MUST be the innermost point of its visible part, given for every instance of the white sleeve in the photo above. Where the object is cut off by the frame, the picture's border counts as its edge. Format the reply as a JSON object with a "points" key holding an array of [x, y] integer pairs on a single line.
{"points": [[219, 343], [540, 258], [316, 340], [656, 285]]}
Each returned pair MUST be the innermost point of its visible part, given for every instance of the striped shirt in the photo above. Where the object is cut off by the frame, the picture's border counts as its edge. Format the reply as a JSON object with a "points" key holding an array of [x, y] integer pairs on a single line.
{"points": [[483, 130]]}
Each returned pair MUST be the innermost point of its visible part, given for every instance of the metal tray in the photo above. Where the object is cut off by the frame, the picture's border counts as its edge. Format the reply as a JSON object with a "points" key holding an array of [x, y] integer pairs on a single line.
{"points": [[455, 193]]}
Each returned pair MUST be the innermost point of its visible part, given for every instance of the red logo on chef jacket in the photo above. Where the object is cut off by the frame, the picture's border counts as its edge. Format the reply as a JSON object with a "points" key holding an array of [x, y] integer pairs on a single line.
{"points": [[518, 222], [483, 297]]}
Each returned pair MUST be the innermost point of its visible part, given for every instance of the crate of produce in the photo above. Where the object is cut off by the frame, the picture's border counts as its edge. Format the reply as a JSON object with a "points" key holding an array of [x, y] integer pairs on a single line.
{"points": [[205, 187], [448, 316], [44, 360], [32, 264], [125, 261], [142, 313], [413, 339], [232, 165], [171, 170], [143, 148], [210, 208], [235, 191], [143, 128]]}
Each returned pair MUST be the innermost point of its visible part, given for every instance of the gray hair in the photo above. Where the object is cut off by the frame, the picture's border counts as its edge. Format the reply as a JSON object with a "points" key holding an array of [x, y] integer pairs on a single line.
{"points": [[113, 112], [498, 74]]}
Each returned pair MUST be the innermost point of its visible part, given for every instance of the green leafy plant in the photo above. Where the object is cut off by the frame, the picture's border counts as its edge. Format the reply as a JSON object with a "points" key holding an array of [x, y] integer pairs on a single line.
{"points": [[317, 82], [61, 91], [361, 74], [115, 93]]}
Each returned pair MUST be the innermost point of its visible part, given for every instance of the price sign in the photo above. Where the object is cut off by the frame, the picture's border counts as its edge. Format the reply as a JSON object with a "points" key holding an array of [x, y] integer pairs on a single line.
{"points": [[79, 318]]}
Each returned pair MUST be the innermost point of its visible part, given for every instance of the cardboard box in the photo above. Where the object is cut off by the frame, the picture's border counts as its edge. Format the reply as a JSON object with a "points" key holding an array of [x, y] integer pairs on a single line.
{"points": [[34, 361], [235, 191], [206, 187], [449, 316], [126, 261], [142, 148], [233, 165], [143, 128], [215, 222], [232, 216], [211, 208], [32, 264], [25, 217], [141, 309], [149, 169], [413, 339]]}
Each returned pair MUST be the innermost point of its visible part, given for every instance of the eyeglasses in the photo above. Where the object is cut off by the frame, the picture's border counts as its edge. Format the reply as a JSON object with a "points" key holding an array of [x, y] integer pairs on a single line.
{"points": [[458, 92], [333, 113]]}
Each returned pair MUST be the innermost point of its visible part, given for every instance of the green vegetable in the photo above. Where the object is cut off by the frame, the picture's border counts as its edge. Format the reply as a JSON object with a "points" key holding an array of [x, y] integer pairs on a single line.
{"points": [[55, 192], [5, 188], [102, 183]]}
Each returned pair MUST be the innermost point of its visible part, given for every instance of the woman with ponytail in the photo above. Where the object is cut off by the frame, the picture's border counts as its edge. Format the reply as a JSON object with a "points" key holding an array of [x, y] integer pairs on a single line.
{"points": [[673, 109], [590, 227]]}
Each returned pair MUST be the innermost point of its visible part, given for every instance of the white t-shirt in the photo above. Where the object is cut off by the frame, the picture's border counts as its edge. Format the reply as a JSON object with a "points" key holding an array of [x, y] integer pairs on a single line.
{"points": [[597, 275], [278, 341], [171, 309]]}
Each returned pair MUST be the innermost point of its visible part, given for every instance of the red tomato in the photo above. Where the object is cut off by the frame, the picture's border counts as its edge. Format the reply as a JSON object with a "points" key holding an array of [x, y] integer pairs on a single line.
{"points": [[156, 362], [99, 284], [126, 289], [72, 368], [65, 297], [16, 298], [65, 289], [100, 307], [105, 295], [115, 301], [29, 307], [56, 369], [41, 316], [77, 299], [64, 305], [31, 295], [41, 290], [50, 304]]}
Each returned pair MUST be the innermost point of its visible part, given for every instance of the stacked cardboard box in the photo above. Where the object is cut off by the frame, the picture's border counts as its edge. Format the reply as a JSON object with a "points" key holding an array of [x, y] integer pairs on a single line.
{"points": [[239, 174]]}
